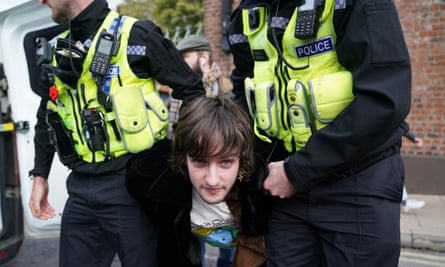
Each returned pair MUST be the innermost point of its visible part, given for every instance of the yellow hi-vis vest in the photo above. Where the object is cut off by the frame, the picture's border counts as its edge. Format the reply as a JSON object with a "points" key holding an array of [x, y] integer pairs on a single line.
{"points": [[291, 103], [138, 117]]}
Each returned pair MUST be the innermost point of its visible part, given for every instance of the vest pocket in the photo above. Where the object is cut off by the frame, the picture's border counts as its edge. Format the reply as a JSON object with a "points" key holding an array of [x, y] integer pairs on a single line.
{"points": [[132, 118], [298, 112], [263, 106], [330, 95], [157, 115]]}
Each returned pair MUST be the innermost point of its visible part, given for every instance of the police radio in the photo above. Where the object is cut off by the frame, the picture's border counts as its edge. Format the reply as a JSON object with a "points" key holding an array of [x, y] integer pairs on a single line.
{"points": [[308, 19], [102, 55]]}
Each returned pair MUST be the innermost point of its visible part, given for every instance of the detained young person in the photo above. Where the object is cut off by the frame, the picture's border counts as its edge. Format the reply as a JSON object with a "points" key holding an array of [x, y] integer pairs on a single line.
{"points": [[203, 188]]}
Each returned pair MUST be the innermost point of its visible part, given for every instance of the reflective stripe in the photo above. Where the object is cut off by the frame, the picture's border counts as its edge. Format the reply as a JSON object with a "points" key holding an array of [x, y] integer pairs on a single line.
{"points": [[279, 22], [113, 25], [340, 4], [237, 39], [7, 127]]}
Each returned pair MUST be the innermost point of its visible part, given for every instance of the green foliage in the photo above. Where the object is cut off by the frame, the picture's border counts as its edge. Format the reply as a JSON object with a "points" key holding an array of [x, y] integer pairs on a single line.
{"points": [[141, 9], [171, 15]]}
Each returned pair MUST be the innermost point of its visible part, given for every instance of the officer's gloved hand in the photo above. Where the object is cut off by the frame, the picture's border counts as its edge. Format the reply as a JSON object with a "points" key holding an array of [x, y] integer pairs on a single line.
{"points": [[69, 57]]}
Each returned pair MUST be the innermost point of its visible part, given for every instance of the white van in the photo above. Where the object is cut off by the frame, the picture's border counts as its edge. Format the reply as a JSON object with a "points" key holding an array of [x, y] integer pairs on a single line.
{"points": [[19, 20]]}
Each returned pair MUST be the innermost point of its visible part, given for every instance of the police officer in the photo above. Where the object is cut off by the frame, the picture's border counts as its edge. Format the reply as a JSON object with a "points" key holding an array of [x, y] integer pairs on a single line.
{"points": [[328, 86], [99, 100]]}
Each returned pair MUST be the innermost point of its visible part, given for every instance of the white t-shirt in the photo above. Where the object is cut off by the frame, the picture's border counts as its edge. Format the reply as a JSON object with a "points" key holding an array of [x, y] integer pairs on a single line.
{"points": [[213, 223]]}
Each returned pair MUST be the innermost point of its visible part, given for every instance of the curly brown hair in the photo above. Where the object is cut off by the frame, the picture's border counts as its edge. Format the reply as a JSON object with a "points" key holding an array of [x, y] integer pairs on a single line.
{"points": [[204, 123]]}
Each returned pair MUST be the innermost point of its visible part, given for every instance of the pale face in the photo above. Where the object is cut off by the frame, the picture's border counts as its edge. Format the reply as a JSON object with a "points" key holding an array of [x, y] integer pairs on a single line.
{"points": [[213, 177], [192, 59], [199, 61], [63, 10]]}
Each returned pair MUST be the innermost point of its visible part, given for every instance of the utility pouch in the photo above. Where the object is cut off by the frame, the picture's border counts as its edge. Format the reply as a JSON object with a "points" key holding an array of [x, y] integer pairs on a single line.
{"points": [[94, 129], [255, 18], [330, 94], [61, 138], [157, 115], [133, 119], [299, 113], [249, 88], [266, 108]]}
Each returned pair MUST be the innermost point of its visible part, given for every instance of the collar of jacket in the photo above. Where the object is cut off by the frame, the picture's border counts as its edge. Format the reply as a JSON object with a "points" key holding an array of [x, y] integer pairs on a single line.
{"points": [[89, 20]]}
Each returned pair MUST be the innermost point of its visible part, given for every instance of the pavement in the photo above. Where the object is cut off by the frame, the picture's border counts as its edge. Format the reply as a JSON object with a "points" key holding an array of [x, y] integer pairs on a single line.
{"points": [[424, 228]]}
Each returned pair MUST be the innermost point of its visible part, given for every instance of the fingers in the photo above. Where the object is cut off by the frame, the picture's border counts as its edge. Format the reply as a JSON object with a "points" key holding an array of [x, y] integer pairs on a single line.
{"points": [[34, 208], [47, 212], [38, 202], [276, 183], [41, 209]]}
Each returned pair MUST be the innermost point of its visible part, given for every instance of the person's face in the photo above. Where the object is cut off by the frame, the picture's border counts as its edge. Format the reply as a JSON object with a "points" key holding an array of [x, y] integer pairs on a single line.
{"points": [[60, 9], [192, 59], [213, 177]]}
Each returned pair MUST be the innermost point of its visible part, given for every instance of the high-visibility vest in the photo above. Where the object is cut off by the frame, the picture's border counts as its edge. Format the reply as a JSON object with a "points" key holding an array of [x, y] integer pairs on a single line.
{"points": [[299, 90], [137, 116]]}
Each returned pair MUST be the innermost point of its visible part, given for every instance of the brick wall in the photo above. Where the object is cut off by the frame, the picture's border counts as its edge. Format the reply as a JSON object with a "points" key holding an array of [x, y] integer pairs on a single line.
{"points": [[424, 28]]}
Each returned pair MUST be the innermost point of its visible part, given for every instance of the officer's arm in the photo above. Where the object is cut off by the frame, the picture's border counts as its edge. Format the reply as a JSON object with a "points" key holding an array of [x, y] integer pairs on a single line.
{"points": [[242, 58], [377, 57], [43, 150], [166, 64]]}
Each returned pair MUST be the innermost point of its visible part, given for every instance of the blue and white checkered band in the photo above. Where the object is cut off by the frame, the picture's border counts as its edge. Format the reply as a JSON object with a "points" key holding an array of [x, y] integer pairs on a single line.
{"points": [[237, 39], [87, 42], [279, 22], [340, 4], [136, 50], [317, 47], [121, 23]]}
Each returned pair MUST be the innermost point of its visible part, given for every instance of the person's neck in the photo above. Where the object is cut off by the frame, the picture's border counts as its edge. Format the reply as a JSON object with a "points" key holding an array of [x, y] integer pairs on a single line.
{"points": [[76, 7], [87, 22]]}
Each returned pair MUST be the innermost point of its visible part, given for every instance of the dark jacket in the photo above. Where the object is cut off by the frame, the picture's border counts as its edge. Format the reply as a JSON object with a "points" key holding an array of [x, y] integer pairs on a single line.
{"points": [[167, 199], [371, 127], [161, 61]]}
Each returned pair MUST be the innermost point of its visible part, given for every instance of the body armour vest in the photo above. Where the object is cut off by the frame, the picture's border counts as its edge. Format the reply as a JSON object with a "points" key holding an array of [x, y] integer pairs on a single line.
{"points": [[298, 88], [133, 118]]}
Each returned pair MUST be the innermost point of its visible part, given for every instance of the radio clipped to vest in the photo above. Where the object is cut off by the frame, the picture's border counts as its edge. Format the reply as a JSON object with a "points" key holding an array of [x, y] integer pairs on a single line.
{"points": [[103, 53], [107, 46], [308, 19]]}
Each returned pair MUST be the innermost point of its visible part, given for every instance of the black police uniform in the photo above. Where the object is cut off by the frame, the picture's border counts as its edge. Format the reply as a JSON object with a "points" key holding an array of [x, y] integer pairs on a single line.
{"points": [[100, 219], [349, 176]]}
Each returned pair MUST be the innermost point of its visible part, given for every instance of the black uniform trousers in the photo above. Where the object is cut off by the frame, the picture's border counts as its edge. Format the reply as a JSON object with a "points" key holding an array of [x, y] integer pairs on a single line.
{"points": [[101, 220], [354, 221]]}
